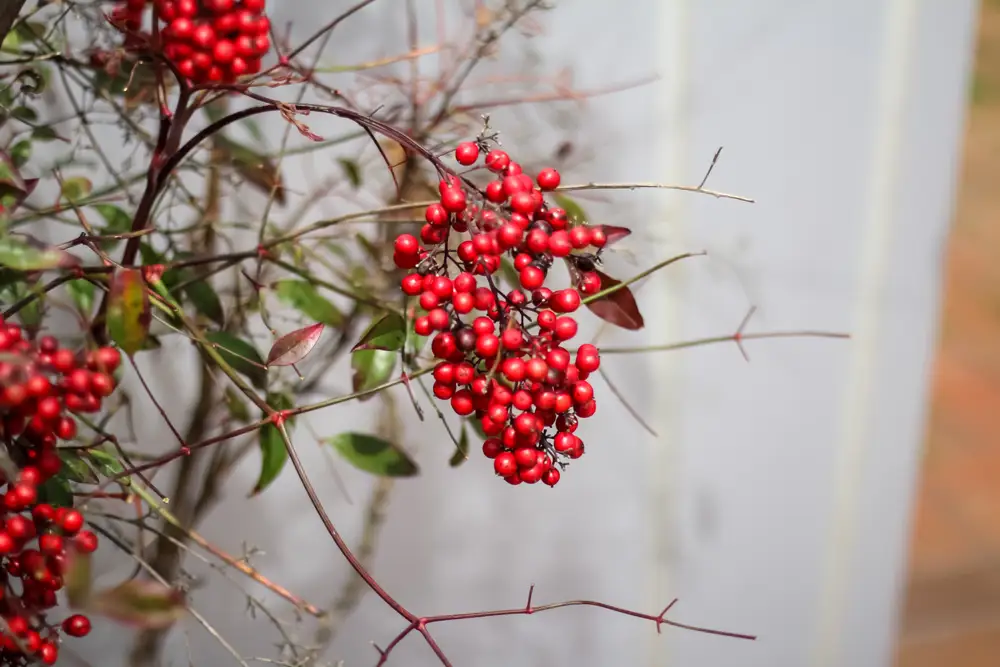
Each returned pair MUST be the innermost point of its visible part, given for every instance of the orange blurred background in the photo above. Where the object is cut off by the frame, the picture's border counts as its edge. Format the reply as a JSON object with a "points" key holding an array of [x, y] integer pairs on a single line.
{"points": [[952, 609]]}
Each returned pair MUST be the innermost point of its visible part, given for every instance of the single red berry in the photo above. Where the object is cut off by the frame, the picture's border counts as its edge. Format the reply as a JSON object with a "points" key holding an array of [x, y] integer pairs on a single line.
{"points": [[495, 192], [492, 448], [463, 302], [467, 153], [48, 653], [102, 384], [65, 428], [71, 522], [580, 236], [587, 409], [453, 200], [532, 475], [37, 386], [565, 328], [76, 625], [497, 160], [559, 243], [548, 179], [436, 215], [48, 408], [551, 477], [582, 392], [588, 358], [504, 464], [203, 36], [85, 541], [50, 544], [224, 51], [181, 28], [411, 284], [406, 244], [531, 277], [565, 300], [63, 361], [462, 403]]}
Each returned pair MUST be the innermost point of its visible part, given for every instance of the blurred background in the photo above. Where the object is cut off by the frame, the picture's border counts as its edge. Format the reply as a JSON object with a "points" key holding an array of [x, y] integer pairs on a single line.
{"points": [[836, 498]]}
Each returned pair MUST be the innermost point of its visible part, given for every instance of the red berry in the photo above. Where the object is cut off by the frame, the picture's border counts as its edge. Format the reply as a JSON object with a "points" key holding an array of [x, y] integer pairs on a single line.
{"points": [[504, 464], [203, 37], [412, 284], [102, 384], [181, 28], [588, 358], [565, 328], [497, 160], [48, 408], [63, 361], [565, 300], [406, 244], [436, 215], [495, 192], [76, 625], [48, 653], [559, 243], [453, 200], [548, 179], [50, 544], [461, 402], [580, 237], [531, 277], [71, 522], [223, 52], [38, 386], [551, 477], [467, 153], [85, 541], [492, 448]]}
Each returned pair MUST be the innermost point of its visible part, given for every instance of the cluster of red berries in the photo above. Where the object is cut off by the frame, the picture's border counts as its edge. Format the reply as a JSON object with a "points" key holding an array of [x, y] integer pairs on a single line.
{"points": [[208, 41], [508, 366], [40, 383]]}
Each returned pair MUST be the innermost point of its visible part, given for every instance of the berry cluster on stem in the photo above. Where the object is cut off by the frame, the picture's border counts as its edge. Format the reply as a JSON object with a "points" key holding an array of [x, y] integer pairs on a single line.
{"points": [[208, 41], [41, 384], [502, 355]]}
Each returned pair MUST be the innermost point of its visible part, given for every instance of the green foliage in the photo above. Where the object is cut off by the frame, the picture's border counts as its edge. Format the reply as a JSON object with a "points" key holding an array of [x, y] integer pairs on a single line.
{"points": [[374, 455]]}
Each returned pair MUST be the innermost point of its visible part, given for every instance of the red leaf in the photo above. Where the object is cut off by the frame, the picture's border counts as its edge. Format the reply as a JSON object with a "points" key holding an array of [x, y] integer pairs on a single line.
{"points": [[293, 347], [613, 233], [618, 307]]}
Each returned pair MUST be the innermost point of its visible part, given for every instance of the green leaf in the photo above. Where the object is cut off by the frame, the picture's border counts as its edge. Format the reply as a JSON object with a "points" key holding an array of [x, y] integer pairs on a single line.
{"points": [[371, 369], [44, 133], [141, 603], [461, 454], [257, 169], [77, 578], [205, 300], [76, 189], [20, 152], [304, 297], [351, 170], [128, 310], [388, 333], [241, 355], [373, 455], [477, 426], [274, 456], [19, 254], [26, 114], [116, 220], [105, 463], [238, 410], [82, 293], [573, 210], [56, 492], [76, 469], [509, 272]]}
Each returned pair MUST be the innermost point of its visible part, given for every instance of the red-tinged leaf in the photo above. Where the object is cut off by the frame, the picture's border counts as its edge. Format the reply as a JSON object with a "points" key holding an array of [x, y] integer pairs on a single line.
{"points": [[293, 347], [613, 233], [618, 307], [145, 604], [128, 310]]}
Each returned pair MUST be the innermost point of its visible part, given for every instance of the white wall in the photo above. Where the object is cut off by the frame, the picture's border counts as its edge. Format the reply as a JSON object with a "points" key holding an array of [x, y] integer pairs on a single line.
{"points": [[775, 500]]}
